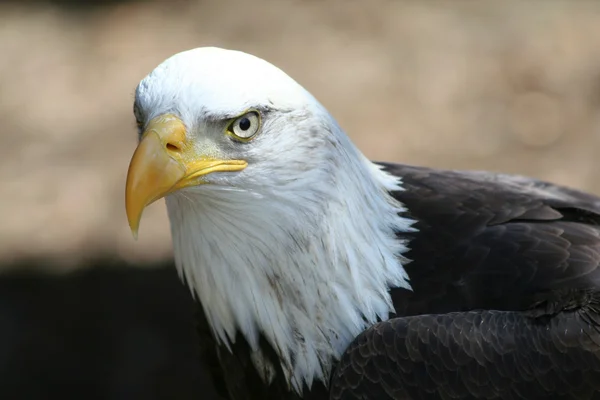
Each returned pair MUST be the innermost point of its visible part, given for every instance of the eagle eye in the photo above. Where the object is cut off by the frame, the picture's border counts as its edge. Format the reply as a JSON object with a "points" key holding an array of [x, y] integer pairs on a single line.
{"points": [[245, 126]]}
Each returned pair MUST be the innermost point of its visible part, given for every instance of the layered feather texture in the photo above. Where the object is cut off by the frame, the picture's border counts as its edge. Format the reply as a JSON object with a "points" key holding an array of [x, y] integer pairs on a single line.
{"points": [[272, 259]]}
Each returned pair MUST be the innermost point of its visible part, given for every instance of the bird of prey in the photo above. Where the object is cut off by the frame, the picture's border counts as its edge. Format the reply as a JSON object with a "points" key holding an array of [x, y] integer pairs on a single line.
{"points": [[320, 274]]}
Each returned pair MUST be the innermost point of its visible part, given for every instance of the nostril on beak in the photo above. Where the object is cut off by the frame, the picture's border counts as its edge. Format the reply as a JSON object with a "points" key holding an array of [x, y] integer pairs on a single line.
{"points": [[172, 147]]}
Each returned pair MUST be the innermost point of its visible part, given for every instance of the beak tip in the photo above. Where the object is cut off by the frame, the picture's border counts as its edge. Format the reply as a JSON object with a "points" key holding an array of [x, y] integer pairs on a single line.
{"points": [[134, 226], [133, 218]]}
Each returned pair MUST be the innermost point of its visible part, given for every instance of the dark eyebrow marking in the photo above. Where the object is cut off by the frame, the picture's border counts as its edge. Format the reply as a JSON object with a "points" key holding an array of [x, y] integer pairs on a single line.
{"points": [[219, 117]]}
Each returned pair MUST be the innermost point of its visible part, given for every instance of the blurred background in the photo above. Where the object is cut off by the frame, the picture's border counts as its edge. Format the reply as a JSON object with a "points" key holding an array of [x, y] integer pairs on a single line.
{"points": [[86, 311]]}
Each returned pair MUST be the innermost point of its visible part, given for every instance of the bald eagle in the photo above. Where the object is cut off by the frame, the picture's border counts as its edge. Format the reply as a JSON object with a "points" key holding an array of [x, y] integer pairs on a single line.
{"points": [[320, 274]]}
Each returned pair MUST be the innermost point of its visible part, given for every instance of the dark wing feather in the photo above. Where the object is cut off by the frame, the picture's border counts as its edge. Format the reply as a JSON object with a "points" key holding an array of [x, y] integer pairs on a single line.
{"points": [[493, 241], [501, 271], [477, 355]]}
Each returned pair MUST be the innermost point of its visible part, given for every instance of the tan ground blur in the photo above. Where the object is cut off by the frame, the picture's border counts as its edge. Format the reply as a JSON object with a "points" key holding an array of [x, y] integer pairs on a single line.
{"points": [[505, 86]]}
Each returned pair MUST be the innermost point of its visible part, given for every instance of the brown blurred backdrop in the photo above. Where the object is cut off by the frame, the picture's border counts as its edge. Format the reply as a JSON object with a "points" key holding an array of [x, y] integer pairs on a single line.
{"points": [[507, 86]]}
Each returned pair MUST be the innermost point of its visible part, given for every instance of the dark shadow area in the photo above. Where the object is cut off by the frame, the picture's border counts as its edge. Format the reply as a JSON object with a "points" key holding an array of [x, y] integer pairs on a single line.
{"points": [[108, 332], [72, 5]]}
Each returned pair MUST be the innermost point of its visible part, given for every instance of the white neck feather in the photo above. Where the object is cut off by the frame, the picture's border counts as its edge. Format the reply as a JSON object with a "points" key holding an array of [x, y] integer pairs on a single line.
{"points": [[308, 263]]}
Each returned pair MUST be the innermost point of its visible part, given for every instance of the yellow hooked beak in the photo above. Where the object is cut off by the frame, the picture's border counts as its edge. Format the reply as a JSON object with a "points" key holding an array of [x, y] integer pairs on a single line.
{"points": [[165, 161]]}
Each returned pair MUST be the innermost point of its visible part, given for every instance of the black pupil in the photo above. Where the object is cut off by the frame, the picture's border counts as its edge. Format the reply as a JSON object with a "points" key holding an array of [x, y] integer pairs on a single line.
{"points": [[244, 124]]}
